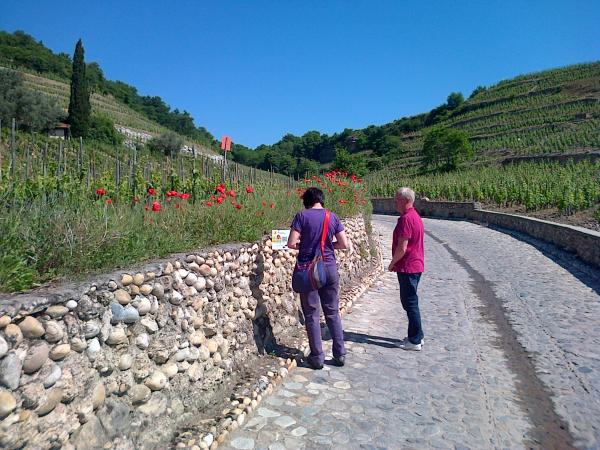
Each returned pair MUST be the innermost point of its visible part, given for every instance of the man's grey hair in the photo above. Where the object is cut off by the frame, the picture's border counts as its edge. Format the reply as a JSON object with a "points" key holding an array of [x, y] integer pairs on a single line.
{"points": [[406, 193]]}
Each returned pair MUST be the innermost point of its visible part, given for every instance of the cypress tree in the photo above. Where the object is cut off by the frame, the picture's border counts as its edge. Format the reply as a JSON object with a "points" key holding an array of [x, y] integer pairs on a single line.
{"points": [[79, 103]]}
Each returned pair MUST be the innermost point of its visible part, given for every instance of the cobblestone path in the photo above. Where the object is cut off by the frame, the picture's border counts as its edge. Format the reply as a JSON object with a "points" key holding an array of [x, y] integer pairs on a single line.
{"points": [[511, 357]]}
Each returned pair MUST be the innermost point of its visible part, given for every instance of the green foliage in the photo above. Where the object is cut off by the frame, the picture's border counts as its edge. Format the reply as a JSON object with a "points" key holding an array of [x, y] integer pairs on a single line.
{"points": [[102, 129], [32, 111], [79, 103], [21, 50], [446, 148], [95, 78], [476, 91], [454, 100], [568, 187], [168, 143], [352, 164]]}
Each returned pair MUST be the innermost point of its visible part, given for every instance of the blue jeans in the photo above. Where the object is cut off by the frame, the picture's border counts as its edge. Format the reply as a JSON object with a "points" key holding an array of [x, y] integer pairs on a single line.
{"points": [[410, 303]]}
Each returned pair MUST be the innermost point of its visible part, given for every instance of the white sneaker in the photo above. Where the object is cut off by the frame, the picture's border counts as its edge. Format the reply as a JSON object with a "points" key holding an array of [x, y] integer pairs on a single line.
{"points": [[407, 345], [403, 341]]}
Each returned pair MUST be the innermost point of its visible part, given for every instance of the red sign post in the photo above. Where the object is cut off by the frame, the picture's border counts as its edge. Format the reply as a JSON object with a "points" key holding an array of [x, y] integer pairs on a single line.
{"points": [[226, 147], [226, 143]]}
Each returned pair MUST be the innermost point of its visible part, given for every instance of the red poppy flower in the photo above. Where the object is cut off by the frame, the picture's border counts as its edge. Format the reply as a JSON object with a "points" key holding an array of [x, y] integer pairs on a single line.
{"points": [[238, 206], [232, 193], [151, 191], [264, 203], [343, 202], [147, 208], [330, 190], [208, 204], [100, 192], [109, 201], [249, 190], [220, 188], [184, 196], [155, 206], [272, 205], [220, 200], [177, 205]]}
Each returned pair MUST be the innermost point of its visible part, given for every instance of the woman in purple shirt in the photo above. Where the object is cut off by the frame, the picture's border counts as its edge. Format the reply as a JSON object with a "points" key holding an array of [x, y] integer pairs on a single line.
{"points": [[305, 236]]}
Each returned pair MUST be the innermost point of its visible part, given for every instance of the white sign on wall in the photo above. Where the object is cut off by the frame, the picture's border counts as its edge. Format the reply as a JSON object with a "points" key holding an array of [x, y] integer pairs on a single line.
{"points": [[279, 239]]}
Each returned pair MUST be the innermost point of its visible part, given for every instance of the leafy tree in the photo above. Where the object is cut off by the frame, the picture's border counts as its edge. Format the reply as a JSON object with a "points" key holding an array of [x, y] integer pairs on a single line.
{"points": [[95, 78], [454, 100], [307, 166], [103, 129], [22, 50], [477, 90], [389, 145], [33, 111], [446, 148], [353, 164], [79, 102], [168, 143]]}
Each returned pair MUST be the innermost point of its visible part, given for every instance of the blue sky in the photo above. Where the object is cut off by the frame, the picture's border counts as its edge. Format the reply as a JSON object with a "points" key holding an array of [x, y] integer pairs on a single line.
{"points": [[259, 69]]}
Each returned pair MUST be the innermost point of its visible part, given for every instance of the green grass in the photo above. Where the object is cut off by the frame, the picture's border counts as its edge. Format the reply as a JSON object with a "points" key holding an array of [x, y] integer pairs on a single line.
{"points": [[66, 231]]}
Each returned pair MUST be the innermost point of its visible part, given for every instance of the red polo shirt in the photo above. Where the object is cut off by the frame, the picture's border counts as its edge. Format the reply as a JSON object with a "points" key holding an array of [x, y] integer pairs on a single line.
{"points": [[410, 226]]}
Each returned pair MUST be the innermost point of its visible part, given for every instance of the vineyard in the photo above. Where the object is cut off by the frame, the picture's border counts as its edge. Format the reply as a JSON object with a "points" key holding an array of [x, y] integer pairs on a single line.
{"points": [[556, 111], [68, 208], [104, 105], [538, 185]]}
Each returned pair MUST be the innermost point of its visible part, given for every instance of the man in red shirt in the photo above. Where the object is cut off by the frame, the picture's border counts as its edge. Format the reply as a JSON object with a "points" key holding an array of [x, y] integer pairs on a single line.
{"points": [[408, 261]]}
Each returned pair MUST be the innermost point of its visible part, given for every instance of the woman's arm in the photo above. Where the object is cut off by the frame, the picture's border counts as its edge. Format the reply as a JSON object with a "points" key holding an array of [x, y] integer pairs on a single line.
{"points": [[294, 240], [342, 241]]}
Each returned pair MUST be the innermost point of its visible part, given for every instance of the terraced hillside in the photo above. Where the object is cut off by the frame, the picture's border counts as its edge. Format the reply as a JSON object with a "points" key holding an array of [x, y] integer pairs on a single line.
{"points": [[556, 111], [548, 121], [106, 105]]}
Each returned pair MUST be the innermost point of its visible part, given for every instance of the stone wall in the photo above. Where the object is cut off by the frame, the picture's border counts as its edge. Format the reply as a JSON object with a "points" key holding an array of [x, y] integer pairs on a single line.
{"points": [[123, 360], [584, 243]]}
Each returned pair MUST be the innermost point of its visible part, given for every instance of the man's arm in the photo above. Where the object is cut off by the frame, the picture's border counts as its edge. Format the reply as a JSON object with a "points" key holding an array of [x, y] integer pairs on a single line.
{"points": [[399, 252]]}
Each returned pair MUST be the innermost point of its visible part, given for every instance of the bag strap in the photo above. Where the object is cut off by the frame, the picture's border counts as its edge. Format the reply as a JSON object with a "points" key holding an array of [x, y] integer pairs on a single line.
{"points": [[325, 229]]}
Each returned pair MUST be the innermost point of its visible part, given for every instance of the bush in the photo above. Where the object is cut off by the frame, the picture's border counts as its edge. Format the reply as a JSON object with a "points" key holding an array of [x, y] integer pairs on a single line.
{"points": [[446, 148], [102, 129], [33, 111], [168, 143]]}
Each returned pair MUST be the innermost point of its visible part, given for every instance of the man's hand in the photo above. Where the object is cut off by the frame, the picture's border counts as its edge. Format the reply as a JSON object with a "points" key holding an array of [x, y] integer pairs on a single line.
{"points": [[391, 266]]}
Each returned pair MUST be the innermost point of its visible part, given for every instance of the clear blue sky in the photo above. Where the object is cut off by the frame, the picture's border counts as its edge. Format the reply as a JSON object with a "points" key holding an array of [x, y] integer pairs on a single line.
{"points": [[259, 69]]}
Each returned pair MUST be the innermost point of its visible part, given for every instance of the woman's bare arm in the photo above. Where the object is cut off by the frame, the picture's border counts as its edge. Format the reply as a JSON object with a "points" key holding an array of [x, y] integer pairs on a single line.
{"points": [[342, 241], [294, 240]]}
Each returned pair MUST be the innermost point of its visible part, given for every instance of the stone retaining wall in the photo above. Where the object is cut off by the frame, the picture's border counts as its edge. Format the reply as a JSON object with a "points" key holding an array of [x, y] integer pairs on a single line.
{"points": [[122, 360], [585, 243]]}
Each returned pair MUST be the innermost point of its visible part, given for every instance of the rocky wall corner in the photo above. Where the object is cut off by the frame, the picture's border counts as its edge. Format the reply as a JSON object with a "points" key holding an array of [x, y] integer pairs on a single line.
{"points": [[129, 359]]}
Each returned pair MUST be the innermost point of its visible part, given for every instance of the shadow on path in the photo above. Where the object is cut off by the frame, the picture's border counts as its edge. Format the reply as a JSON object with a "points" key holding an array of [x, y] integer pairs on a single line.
{"points": [[361, 338]]}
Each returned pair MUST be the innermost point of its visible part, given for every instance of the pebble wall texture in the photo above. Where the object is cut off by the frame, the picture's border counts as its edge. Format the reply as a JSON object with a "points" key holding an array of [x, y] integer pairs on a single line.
{"points": [[124, 361]]}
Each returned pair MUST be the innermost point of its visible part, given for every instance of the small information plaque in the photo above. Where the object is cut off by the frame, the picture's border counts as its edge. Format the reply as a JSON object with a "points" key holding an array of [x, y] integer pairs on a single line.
{"points": [[279, 239]]}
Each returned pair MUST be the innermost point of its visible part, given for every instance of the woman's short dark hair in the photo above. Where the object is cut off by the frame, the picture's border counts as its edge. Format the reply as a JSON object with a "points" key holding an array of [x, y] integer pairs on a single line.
{"points": [[313, 195]]}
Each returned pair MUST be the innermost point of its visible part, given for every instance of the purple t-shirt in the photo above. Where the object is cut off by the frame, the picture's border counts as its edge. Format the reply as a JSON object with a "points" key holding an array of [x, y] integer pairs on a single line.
{"points": [[309, 223]]}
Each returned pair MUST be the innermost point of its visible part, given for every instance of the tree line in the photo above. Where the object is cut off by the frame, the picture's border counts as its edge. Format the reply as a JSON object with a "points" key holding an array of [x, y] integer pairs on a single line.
{"points": [[364, 150]]}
